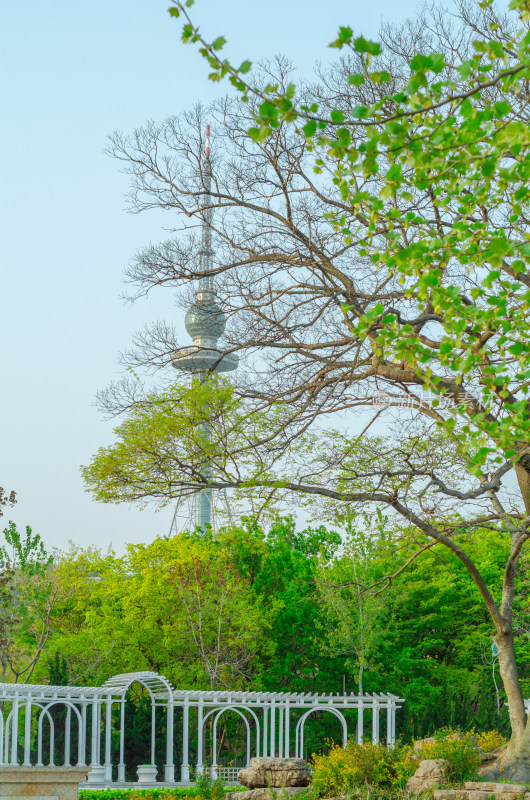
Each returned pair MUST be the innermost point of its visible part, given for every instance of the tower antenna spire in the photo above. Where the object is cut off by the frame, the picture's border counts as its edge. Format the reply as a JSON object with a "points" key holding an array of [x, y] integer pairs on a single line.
{"points": [[205, 323]]}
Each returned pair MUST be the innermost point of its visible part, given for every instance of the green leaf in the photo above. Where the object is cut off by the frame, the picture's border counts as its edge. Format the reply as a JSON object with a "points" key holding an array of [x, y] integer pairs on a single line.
{"points": [[267, 111], [309, 128], [219, 43], [518, 348], [337, 115], [362, 45]]}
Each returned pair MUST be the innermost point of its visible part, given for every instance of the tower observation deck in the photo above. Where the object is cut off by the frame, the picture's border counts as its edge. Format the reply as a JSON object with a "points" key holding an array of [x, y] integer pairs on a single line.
{"points": [[205, 322]]}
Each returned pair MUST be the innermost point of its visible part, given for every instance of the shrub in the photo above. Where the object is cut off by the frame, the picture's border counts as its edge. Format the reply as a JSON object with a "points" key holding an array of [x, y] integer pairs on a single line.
{"points": [[207, 790], [345, 770], [490, 740], [460, 750], [207, 787]]}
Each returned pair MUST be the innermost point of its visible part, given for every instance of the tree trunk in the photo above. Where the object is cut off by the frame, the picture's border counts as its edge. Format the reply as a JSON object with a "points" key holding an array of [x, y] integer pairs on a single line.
{"points": [[515, 763], [512, 685]]}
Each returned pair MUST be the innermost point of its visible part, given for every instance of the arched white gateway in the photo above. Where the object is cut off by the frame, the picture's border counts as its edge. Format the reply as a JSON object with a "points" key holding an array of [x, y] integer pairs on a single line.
{"points": [[299, 738], [278, 717]]}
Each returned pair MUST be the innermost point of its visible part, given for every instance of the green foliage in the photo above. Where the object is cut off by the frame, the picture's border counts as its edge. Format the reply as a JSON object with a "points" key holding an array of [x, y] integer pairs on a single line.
{"points": [[459, 750], [208, 787], [453, 131], [26, 598], [343, 771], [285, 632], [148, 794], [6, 499]]}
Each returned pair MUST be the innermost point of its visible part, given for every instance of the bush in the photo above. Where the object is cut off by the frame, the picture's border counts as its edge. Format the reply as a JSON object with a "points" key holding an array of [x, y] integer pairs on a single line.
{"points": [[490, 740], [205, 790], [344, 770]]}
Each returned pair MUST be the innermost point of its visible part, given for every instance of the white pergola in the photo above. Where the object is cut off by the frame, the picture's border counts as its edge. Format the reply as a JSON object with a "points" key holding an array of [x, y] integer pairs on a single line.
{"points": [[274, 723]]}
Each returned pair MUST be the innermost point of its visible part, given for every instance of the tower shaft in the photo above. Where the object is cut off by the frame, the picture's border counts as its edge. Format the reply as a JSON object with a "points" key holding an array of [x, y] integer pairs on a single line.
{"points": [[205, 322]]}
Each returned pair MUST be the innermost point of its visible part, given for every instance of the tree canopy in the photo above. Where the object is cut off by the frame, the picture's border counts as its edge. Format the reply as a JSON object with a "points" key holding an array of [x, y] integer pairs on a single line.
{"points": [[373, 249]]}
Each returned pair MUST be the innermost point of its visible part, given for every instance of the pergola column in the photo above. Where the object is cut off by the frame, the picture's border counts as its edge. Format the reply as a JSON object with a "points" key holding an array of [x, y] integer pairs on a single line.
{"points": [[67, 733], [153, 722], [360, 720], [375, 721], [108, 730], [83, 733], [265, 731], [27, 732], [121, 765], [199, 735], [169, 769], [286, 731], [272, 731], [14, 732], [391, 724], [94, 754], [185, 768]]}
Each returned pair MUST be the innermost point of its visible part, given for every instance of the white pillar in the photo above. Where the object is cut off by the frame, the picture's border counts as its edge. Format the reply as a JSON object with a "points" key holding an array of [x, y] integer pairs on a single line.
{"points": [[52, 740], [27, 732], [272, 732], [360, 720], [214, 745], [389, 713], [185, 768], [108, 730], [286, 731], [199, 735], [14, 732], [94, 743], [375, 721], [153, 720], [1, 737], [67, 730], [169, 770], [280, 732], [39, 738], [265, 731], [121, 765], [83, 733]]}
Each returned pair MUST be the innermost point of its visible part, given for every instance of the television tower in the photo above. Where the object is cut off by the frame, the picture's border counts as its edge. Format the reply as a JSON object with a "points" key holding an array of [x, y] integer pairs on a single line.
{"points": [[205, 323]]}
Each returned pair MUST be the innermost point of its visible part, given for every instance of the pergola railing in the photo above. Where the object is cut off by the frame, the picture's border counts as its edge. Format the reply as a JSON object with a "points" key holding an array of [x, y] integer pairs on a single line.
{"points": [[270, 718]]}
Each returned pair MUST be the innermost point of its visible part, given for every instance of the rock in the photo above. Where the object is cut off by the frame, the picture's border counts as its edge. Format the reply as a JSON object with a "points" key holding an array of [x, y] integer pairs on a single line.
{"points": [[478, 790], [268, 793], [279, 772], [429, 773], [513, 789], [476, 794], [419, 743]]}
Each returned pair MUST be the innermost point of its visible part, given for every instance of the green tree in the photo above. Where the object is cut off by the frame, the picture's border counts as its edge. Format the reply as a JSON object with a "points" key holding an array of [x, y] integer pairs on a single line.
{"points": [[375, 237], [28, 595], [177, 606], [6, 499]]}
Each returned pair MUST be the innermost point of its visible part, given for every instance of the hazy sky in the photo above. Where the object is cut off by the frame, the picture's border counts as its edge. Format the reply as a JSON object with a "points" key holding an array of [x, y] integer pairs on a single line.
{"points": [[73, 73]]}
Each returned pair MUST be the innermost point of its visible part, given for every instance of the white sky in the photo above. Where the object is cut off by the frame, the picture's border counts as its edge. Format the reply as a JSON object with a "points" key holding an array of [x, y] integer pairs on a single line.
{"points": [[73, 73]]}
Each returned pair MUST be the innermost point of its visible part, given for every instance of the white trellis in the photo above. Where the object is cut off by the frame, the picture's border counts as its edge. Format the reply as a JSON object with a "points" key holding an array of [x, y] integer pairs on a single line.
{"points": [[274, 724]]}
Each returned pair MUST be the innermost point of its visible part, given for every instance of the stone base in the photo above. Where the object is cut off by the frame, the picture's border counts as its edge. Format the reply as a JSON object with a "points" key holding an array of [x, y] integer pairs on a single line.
{"points": [[41, 783], [270, 793], [477, 790], [278, 772], [147, 773]]}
